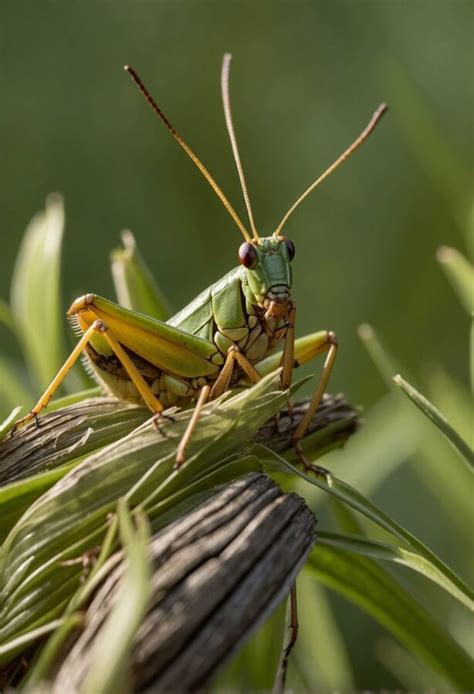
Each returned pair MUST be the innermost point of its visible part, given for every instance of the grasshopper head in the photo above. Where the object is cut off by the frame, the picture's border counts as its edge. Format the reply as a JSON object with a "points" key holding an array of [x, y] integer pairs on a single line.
{"points": [[267, 273]]}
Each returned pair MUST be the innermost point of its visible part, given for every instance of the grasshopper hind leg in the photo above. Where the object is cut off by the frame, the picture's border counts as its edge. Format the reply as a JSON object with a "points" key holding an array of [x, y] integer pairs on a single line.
{"points": [[98, 326], [330, 345]]}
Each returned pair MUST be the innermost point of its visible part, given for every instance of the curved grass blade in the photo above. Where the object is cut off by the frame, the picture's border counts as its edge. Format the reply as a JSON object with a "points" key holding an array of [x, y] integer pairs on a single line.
{"points": [[135, 285], [344, 492], [6, 316], [115, 638], [12, 391], [8, 423], [9, 649], [440, 421], [460, 274], [361, 581], [381, 550], [35, 292]]}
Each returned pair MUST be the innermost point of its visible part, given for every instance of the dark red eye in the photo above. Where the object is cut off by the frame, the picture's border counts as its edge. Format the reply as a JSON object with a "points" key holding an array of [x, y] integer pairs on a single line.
{"points": [[248, 255], [290, 247]]}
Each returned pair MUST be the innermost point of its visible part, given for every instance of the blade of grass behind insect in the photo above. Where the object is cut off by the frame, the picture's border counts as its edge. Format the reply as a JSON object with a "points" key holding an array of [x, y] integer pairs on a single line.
{"points": [[442, 162], [412, 674], [442, 574], [433, 458], [115, 639], [388, 428], [460, 274], [439, 420], [12, 391], [454, 399], [254, 665], [385, 552], [6, 316], [8, 423], [135, 285], [471, 354], [327, 666], [35, 292], [361, 581]]}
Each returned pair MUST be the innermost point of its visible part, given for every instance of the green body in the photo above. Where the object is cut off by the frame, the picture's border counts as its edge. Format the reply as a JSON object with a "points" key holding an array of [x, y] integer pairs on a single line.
{"points": [[179, 357]]}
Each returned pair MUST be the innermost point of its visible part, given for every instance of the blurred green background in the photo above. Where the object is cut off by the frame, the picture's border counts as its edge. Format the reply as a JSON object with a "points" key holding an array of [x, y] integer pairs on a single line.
{"points": [[306, 77]]}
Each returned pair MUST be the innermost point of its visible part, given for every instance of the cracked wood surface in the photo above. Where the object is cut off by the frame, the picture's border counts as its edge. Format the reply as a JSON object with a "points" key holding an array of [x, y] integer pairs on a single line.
{"points": [[83, 428], [218, 572]]}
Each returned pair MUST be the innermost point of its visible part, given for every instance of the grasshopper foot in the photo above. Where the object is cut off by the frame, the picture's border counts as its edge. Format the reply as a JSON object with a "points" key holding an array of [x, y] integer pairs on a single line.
{"points": [[19, 424], [310, 467], [157, 418]]}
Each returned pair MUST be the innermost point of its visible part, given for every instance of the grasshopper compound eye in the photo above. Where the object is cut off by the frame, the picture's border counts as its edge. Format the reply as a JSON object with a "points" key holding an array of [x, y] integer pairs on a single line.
{"points": [[290, 247], [248, 255]]}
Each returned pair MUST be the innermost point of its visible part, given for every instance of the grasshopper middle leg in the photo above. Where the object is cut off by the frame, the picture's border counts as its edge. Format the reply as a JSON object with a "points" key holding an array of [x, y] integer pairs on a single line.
{"points": [[220, 386]]}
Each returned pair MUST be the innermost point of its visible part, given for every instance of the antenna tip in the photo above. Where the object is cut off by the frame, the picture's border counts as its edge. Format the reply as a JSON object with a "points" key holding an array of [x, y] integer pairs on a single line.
{"points": [[383, 108], [126, 68]]}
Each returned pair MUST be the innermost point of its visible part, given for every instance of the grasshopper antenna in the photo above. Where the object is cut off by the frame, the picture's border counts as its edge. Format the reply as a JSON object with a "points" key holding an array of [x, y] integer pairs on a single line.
{"points": [[134, 75], [345, 155], [230, 129]]}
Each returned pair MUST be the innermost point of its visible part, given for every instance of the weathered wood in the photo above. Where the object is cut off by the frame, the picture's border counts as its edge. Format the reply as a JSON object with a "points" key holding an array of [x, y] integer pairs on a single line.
{"points": [[218, 572], [87, 426]]}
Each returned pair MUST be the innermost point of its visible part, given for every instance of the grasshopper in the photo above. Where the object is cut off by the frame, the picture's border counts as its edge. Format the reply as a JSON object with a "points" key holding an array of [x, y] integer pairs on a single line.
{"points": [[223, 338]]}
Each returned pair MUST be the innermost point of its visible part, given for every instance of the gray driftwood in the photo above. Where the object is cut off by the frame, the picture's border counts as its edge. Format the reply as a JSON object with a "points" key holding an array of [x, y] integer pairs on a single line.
{"points": [[83, 428], [218, 572]]}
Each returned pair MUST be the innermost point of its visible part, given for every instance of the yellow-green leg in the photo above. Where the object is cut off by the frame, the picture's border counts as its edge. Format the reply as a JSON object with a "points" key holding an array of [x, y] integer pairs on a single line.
{"points": [[314, 404], [97, 326]]}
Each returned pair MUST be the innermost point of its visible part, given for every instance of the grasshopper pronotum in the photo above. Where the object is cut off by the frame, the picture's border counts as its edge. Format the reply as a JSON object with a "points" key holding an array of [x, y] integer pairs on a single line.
{"points": [[224, 337]]}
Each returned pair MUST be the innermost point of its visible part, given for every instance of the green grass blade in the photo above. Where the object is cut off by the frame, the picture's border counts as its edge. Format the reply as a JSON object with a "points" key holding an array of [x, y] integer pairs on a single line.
{"points": [[15, 498], [6, 316], [327, 666], [471, 354], [49, 654], [115, 638], [35, 292], [438, 419], [361, 581], [8, 423], [413, 439], [381, 550], [9, 649], [12, 390], [135, 285], [244, 672], [347, 494], [386, 365], [460, 273], [407, 668]]}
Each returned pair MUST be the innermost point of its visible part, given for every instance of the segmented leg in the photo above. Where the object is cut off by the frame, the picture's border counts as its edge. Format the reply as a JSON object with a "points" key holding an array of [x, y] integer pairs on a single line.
{"points": [[288, 356], [219, 387], [97, 326], [223, 380], [203, 398], [314, 404], [279, 687]]}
